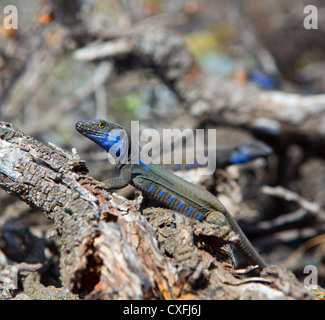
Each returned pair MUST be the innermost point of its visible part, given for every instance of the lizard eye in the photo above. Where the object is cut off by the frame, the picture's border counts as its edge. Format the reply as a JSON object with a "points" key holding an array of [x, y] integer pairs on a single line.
{"points": [[101, 125]]}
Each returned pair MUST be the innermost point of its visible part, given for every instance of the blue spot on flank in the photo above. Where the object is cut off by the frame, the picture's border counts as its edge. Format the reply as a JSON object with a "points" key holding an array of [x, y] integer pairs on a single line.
{"points": [[195, 195], [161, 192], [180, 204], [170, 198], [146, 167], [189, 210], [199, 216], [150, 189]]}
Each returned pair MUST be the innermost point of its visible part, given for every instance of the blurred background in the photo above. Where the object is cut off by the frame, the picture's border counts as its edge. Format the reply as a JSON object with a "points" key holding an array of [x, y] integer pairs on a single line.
{"points": [[45, 89]]}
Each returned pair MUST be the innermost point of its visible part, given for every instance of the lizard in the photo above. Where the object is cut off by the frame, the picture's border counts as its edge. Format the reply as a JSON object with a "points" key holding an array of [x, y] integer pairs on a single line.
{"points": [[161, 185]]}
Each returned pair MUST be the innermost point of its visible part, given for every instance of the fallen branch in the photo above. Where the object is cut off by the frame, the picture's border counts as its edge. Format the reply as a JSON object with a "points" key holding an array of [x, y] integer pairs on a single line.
{"points": [[227, 101], [280, 192]]}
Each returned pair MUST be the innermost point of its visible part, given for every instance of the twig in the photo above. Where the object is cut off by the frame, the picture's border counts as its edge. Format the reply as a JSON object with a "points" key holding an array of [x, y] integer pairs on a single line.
{"points": [[249, 280], [288, 195], [103, 71], [283, 221], [104, 50], [291, 236], [296, 254], [248, 35], [31, 267]]}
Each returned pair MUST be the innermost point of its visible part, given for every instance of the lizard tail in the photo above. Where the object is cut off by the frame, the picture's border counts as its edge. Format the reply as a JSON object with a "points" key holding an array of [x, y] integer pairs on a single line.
{"points": [[244, 245]]}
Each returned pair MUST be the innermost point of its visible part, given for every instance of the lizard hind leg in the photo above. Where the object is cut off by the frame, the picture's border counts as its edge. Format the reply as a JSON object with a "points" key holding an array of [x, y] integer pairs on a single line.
{"points": [[216, 217]]}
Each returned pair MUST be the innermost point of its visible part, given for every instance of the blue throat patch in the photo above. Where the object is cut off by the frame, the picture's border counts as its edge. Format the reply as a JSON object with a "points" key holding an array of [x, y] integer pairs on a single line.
{"points": [[110, 141]]}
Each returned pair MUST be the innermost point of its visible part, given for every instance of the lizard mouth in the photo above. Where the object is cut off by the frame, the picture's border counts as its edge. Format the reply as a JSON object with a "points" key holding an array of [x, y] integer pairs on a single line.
{"points": [[82, 128]]}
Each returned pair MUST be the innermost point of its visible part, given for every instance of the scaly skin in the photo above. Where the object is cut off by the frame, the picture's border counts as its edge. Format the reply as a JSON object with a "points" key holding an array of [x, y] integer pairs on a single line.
{"points": [[161, 185]]}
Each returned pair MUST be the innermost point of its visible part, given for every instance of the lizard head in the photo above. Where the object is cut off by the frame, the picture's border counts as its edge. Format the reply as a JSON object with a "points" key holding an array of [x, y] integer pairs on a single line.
{"points": [[108, 135], [249, 151]]}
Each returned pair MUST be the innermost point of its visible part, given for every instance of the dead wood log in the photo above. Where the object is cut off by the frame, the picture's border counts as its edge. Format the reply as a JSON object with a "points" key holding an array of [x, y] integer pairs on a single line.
{"points": [[110, 251]]}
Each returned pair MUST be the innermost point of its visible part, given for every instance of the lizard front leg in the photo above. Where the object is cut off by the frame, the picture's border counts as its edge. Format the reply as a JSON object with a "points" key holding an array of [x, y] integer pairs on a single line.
{"points": [[118, 182], [114, 183]]}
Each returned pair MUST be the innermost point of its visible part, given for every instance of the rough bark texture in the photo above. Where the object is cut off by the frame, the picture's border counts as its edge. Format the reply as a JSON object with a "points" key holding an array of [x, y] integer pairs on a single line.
{"points": [[110, 251], [43, 176]]}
